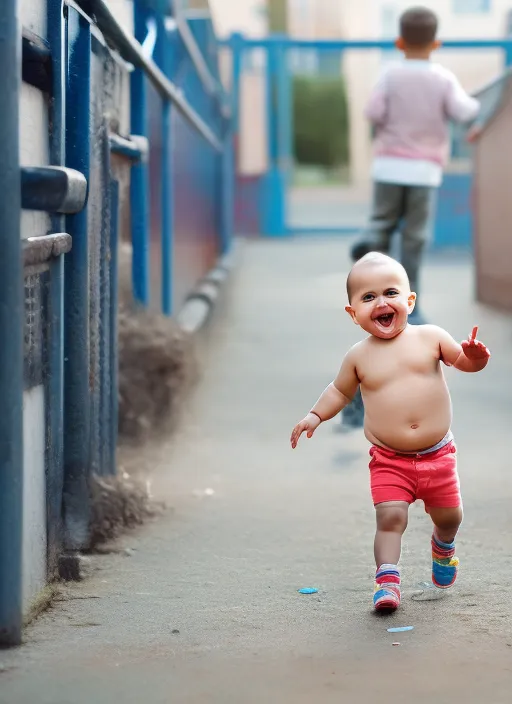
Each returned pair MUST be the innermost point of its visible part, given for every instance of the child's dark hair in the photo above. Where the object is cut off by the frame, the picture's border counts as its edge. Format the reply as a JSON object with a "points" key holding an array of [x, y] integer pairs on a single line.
{"points": [[418, 26]]}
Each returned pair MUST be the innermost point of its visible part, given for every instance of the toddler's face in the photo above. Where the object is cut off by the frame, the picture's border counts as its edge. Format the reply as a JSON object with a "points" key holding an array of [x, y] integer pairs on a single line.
{"points": [[381, 301]]}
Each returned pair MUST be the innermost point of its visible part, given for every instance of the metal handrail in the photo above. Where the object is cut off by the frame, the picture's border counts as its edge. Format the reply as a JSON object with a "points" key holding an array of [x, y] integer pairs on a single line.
{"points": [[347, 44], [194, 52], [211, 84], [130, 49]]}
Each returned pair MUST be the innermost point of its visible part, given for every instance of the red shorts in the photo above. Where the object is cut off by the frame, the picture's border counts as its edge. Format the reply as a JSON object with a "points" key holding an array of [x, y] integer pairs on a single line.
{"points": [[432, 477]]}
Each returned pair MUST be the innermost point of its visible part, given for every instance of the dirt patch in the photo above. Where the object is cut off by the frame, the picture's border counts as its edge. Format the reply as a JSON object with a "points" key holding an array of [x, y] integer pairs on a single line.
{"points": [[118, 504], [157, 364]]}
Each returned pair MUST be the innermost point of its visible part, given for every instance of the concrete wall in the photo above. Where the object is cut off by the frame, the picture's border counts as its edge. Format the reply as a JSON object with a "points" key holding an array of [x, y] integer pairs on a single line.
{"points": [[34, 495], [249, 18], [34, 151], [245, 16], [493, 208]]}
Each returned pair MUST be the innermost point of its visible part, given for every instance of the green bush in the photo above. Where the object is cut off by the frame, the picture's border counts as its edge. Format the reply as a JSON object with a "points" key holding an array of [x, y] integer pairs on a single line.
{"points": [[320, 116]]}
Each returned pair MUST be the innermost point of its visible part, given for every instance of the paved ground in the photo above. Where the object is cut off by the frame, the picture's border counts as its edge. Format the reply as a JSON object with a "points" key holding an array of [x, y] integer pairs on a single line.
{"points": [[328, 206], [224, 569]]}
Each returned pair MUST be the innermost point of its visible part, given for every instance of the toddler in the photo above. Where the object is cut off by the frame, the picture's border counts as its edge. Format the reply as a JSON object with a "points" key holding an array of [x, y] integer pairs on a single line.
{"points": [[407, 416]]}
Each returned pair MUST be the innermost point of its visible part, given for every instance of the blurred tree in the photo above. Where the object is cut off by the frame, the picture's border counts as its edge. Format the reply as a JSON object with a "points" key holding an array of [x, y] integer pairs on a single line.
{"points": [[277, 16], [320, 117]]}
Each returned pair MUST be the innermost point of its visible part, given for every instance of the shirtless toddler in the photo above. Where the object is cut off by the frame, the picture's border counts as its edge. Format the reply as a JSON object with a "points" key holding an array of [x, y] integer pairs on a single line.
{"points": [[407, 416]]}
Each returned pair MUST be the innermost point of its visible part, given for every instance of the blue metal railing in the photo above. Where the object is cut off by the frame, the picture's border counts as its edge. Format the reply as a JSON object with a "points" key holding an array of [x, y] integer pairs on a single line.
{"points": [[131, 50], [11, 326]]}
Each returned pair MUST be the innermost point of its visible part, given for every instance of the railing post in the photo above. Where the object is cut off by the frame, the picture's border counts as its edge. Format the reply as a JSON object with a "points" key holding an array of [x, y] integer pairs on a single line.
{"points": [[284, 125], [507, 52], [113, 349], [55, 383], [11, 335], [228, 156], [165, 49], [274, 192], [139, 185], [76, 318]]}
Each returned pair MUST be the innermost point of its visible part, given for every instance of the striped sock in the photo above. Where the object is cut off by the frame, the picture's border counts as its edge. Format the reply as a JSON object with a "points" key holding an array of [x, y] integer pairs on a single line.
{"points": [[444, 563], [387, 588]]}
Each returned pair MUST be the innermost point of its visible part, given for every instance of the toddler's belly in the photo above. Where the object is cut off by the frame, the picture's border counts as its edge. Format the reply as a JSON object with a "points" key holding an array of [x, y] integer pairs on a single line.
{"points": [[409, 422]]}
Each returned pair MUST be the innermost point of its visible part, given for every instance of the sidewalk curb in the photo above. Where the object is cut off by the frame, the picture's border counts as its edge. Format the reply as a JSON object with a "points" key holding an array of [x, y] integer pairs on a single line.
{"points": [[200, 302]]}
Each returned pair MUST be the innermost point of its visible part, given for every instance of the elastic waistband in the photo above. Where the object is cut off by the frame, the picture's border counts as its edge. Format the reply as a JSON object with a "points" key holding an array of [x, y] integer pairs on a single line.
{"points": [[448, 438]]}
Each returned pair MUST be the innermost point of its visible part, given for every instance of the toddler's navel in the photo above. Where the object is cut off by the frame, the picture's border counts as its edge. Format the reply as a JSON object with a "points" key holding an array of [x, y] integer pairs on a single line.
{"points": [[415, 427]]}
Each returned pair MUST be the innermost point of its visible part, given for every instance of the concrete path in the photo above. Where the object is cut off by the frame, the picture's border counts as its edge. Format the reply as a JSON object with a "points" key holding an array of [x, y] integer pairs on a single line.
{"points": [[206, 609], [328, 206]]}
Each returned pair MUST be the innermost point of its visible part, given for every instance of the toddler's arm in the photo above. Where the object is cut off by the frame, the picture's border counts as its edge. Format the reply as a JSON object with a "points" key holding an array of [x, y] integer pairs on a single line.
{"points": [[460, 106], [470, 356], [336, 396]]}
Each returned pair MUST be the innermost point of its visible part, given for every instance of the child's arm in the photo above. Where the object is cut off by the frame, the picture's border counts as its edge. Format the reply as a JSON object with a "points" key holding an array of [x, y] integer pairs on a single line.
{"points": [[336, 396], [470, 356], [376, 107], [460, 106]]}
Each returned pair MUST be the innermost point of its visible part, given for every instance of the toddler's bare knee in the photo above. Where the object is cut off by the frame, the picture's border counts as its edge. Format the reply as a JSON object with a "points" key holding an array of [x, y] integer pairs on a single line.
{"points": [[392, 519], [446, 519]]}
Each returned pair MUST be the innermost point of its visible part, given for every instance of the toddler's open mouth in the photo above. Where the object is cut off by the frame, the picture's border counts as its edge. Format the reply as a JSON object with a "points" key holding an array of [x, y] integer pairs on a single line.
{"points": [[385, 320]]}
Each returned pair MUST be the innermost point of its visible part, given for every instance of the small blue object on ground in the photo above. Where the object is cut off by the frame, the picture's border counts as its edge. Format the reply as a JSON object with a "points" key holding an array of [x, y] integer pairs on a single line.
{"points": [[308, 590], [402, 629]]}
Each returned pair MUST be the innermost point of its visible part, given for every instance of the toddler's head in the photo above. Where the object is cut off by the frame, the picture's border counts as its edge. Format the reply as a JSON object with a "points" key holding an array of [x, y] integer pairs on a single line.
{"points": [[418, 33], [379, 295]]}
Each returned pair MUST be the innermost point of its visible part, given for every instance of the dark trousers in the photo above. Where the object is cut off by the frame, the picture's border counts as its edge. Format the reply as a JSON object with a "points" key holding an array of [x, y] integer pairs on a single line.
{"points": [[394, 207]]}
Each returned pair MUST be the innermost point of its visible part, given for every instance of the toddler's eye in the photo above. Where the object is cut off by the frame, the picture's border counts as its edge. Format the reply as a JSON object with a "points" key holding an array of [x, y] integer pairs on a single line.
{"points": [[368, 297], [392, 292]]}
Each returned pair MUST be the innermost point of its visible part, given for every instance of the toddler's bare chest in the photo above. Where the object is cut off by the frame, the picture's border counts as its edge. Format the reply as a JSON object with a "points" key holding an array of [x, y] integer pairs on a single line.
{"points": [[380, 367]]}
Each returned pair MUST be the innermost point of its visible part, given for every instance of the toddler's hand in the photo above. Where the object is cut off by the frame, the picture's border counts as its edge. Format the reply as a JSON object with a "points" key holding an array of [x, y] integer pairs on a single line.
{"points": [[473, 348], [308, 425]]}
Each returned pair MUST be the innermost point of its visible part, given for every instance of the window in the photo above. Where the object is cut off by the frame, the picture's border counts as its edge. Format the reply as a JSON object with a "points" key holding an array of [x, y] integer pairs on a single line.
{"points": [[389, 29], [389, 22], [467, 7]]}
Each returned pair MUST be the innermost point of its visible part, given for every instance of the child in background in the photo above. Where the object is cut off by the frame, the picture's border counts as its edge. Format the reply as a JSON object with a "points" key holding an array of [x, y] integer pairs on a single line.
{"points": [[410, 110], [407, 420]]}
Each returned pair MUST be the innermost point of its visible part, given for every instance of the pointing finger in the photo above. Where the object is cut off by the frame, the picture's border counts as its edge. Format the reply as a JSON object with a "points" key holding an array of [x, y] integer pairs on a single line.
{"points": [[472, 337]]}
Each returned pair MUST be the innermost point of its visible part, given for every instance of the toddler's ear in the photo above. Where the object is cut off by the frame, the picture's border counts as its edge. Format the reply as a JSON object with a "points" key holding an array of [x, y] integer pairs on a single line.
{"points": [[400, 44], [352, 313], [411, 301]]}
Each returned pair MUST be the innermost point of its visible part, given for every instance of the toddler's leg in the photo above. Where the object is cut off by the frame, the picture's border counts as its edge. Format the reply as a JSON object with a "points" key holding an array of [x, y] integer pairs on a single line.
{"points": [[391, 524], [444, 562]]}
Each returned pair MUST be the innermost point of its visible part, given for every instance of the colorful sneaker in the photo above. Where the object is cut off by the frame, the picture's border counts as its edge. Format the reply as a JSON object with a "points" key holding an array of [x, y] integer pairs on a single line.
{"points": [[387, 588], [444, 564]]}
